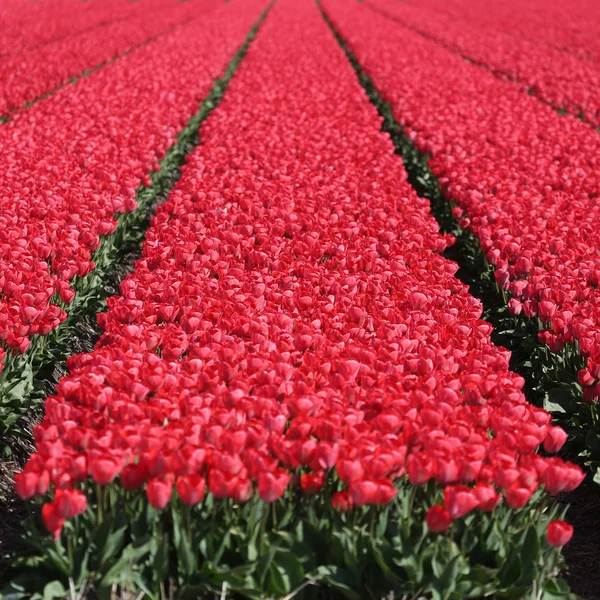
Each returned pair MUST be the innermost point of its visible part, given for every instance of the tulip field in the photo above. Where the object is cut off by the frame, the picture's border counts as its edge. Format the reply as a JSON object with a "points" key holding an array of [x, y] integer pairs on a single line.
{"points": [[299, 299]]}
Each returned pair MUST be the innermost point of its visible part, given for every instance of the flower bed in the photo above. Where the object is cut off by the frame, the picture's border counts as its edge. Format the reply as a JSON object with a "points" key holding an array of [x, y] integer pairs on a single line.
{"points": [[564, 81], [524, 181], [27, 77], [28, 26], [293, 384], [74, 161], [571, 27]]}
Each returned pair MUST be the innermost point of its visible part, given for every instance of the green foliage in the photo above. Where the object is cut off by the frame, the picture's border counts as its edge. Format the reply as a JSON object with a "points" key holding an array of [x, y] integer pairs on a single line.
{"points": [[259, 550]]}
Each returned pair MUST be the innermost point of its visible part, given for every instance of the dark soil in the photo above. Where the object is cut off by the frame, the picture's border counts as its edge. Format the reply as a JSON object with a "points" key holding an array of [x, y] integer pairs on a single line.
{"points": [[582, 554], [12, 509]]}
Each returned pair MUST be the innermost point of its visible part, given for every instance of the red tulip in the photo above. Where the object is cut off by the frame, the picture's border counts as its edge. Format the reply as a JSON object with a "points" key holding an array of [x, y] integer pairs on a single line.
{"points": [[191, 488], [487, 497], [26, 484], [555, 439], [349, 470], [52, 520], [459, 500], [363, 492], [69, 503], [518, 495], [437, 519], [559, 533], [271, 486], [342, 501], [103, 470], [159, 492], [420, 468], [311, 483], [133, 476]]}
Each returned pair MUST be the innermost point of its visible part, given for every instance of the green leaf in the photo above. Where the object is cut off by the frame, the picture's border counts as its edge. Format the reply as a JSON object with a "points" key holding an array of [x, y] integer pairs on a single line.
{"points": [[445, 585], [559, 400], [22, 587], [529, 555], [289, 564], [263, 565], [278, 582], [186, 555], [511, 571], [109, 543], [592, 439], [160, 563], [54, 589], [557, 589], [133, 553], [219, 553], [60, 561], [340, 580]]}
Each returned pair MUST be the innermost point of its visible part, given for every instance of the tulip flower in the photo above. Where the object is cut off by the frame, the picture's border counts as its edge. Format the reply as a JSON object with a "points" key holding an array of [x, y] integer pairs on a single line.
{"points": [[559, 533], [437, 519]]}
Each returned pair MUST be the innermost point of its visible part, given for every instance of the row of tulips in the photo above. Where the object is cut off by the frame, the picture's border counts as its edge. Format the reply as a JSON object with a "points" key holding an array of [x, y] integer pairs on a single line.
{"points": [[293, 384], [523, 179], [563, 80], [74, 161], [26, 26], [570, 27], [37, 72]]}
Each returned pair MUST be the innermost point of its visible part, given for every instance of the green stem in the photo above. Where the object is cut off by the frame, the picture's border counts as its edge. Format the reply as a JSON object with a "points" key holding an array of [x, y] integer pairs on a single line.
{"points": [[99, 495]]}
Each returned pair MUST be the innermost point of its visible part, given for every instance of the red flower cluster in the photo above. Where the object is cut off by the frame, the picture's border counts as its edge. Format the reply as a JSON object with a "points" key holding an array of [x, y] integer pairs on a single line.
{"points": [[563, 80], [26, 26], [526, 180], [291, 321], [571, 27], [27, 76], [71, 162]]}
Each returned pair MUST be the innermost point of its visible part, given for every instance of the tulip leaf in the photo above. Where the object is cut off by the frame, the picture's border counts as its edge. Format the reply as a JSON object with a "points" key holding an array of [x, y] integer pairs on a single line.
{"points": [[529, 553], [443, 587], [54, 589], [133, 553], [288, 563], [278, 581], [264, 562], [108, 542], [160, 564], [340, 580], [185, 553]]}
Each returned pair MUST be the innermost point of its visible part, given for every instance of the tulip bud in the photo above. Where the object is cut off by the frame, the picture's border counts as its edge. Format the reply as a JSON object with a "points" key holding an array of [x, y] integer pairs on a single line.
{"points": [[349, 470], [559, 533], [420, 468], [459, 500], [514, 307], [341, 501], [52, 520], [191, 488], [546, 310], [555, 438], [311, 483], [437, 519], [159, 492], [70, 503], [271, 486], [26, 484], [103, 470]]}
